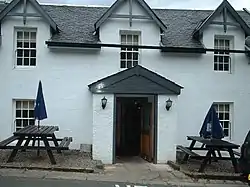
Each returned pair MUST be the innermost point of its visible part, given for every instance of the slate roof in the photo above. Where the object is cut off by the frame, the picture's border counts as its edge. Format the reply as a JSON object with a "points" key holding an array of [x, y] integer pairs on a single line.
{"points": [[132, 81], [76, 24]]}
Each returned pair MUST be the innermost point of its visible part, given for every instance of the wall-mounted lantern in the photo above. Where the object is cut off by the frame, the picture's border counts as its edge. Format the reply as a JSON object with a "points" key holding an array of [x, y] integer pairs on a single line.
{"points": [[104, 102], [168, 104]]}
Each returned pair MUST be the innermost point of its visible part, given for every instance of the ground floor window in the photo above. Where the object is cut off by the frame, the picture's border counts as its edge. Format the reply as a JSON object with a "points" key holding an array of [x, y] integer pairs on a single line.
{"points": [[224, 111], [24, 113]]}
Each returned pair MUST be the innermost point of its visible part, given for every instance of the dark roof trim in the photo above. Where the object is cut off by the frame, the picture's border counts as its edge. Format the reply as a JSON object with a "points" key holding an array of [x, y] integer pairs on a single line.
{"points": [[162, 48], [99, 45], [145, 6], [14, 3], [112, 83], [72, 45], [224, 5], [183, 50]]}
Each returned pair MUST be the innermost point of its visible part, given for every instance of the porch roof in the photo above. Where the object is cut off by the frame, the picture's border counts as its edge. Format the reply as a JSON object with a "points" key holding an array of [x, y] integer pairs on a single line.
{"points": [[136, 80]]}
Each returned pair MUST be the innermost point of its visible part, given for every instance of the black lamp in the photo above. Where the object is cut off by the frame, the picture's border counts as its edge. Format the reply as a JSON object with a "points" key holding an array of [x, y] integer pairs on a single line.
{"points": [[168, 104], [104, 102]]}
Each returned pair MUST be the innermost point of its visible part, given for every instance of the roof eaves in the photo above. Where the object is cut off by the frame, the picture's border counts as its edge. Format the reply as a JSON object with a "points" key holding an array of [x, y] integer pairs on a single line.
{"points": [[14, 3], [105, 16], [208, 20], [45, 15]]}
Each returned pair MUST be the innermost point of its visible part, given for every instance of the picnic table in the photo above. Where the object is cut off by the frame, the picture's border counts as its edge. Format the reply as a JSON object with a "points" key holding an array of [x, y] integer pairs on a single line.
{"points": [[30, 133], [211, 146]]}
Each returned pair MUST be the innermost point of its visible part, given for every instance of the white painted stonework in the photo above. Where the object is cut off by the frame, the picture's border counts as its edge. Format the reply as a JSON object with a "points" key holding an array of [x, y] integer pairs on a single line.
{"points": [[103, 122], [167, 127], [66, 74]]}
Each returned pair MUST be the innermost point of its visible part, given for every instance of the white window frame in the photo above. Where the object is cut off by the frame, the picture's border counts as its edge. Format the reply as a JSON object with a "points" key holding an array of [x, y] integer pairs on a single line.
{"points": [[133, 33], [223, 56], [29, 49], [22, 108], [230, 120]]}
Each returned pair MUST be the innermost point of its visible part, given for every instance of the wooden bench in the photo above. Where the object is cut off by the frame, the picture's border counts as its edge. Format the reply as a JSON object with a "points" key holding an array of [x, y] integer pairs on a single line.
{"points": [[7, 141], [187, 151], [235, 152], [65, 143]]}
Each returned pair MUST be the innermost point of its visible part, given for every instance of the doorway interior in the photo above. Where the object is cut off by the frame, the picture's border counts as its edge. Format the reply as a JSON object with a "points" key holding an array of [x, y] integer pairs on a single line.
{"points": [[135, 127]]}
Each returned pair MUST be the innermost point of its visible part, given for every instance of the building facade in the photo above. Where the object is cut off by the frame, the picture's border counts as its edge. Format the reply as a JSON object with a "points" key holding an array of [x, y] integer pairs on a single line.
{"points": [[133, 57]]}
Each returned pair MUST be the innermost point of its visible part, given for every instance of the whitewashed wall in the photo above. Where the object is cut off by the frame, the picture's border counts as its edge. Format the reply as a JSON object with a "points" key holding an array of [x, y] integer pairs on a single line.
{"points": [[167, 129], [103, 123]]}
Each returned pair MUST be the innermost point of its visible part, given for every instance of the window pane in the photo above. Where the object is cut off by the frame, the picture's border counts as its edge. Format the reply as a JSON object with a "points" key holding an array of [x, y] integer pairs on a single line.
{"points": [[226, 124], [226, 132], [227, 107], [227, 44], [31, 104], [129, 56], [220, 58], [26, 44], [26, 53], [19, 61], [18, 113], [33, 45], [26, 35], [123, 55], [136, 39], [18, 105], [221, 116], [215, 43], [129, 64], [18, 122], [31, 122], [123, 64], [25, 104], [33, 53], [26, 61], [25, 113], [32, 61], [123, 39], [33, 35], [220, 66], [19, 35], [226, 116], [226, 58], [129, 39], [135, 63], [31, 114], [221, 43], [19, 44], [215, 58], [226, 67], [25, 122], [135, 56], [20, 53], [215, 66], [221, 107]]}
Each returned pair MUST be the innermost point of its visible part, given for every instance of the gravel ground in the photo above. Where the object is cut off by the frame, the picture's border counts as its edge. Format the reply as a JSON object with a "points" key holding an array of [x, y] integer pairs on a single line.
{"points": [[222, 166], [67, 159]]}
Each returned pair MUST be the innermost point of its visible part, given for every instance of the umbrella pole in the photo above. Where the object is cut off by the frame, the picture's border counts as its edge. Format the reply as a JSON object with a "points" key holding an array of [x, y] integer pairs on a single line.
{"points": [[38, 143]]}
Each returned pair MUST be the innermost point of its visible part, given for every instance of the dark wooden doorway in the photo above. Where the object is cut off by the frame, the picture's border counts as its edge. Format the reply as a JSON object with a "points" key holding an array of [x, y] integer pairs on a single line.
{"points": [[134, 134]]}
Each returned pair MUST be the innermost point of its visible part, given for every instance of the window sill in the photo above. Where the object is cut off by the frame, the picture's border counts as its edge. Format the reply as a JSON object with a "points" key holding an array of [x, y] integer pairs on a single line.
{"points": [[24, 68], [228, 72]]}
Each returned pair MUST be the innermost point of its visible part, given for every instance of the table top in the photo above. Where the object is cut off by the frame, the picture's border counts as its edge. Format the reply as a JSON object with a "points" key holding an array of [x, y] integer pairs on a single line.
{"points": [[214, 142], [33, 130]]}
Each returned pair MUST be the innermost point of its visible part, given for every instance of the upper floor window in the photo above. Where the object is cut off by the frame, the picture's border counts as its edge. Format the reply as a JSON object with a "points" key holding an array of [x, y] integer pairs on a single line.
{"points": [[26, 48], [222, 60], [129, 55]]}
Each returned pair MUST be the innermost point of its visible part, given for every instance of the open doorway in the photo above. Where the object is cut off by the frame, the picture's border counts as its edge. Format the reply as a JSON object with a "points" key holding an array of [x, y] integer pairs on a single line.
{"points": [[135, 127]]}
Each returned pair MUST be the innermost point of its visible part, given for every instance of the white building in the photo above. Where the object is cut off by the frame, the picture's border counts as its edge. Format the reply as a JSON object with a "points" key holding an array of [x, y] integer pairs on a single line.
{"points": [[76, 52]]}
